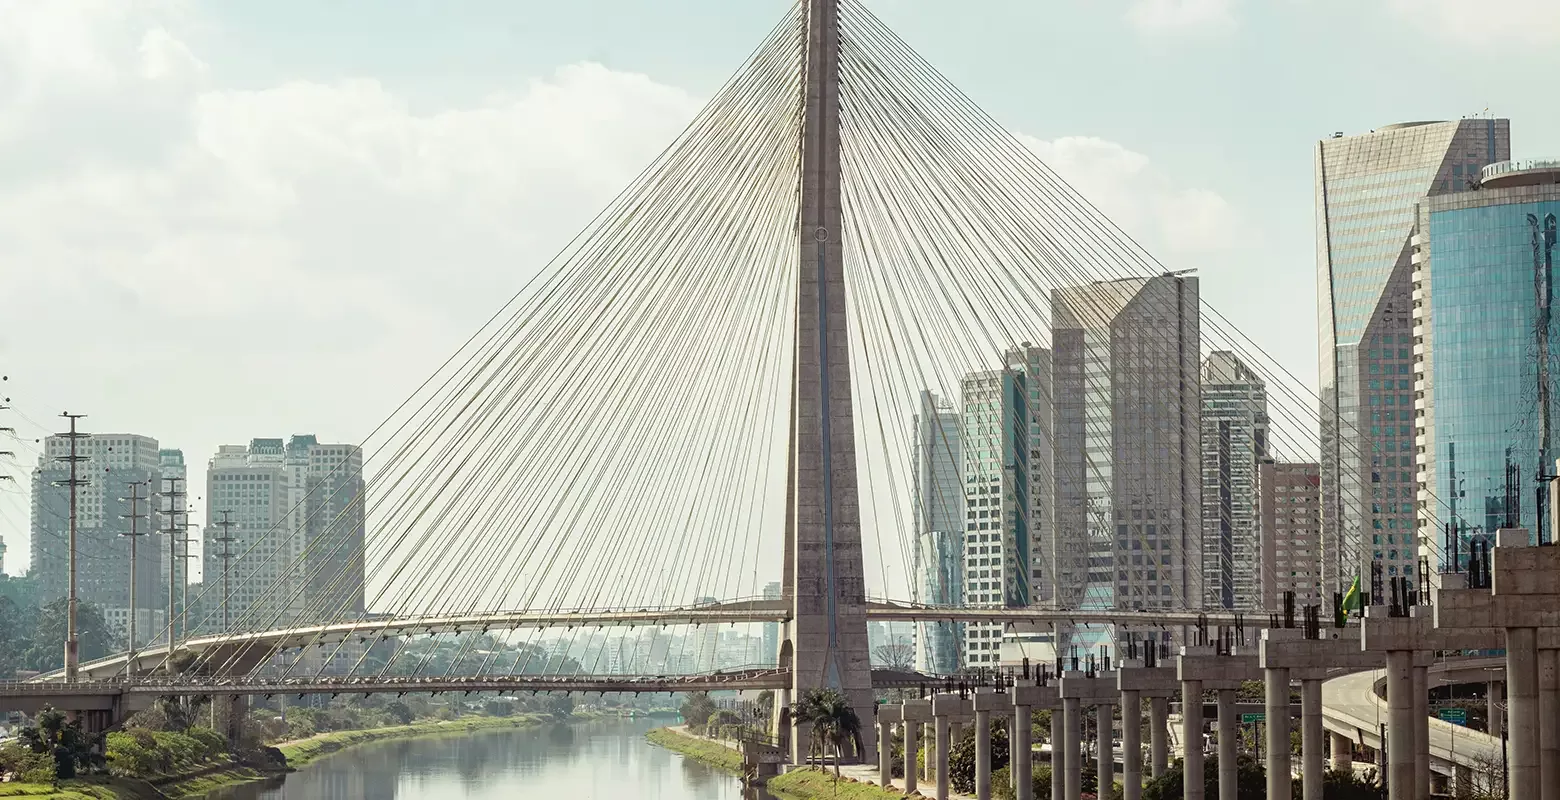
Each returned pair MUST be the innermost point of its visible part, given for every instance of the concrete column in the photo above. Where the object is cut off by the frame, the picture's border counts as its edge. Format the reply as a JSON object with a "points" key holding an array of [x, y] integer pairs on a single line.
{"points": [[1105, 763], [1522, 709], [1494, 693], [929, 767], [1311, 739], [983, 755], [1191, 738], [1549, 723], [1278, 773], [1400, 725], [1072, 736], [1059, 759], [1158, 735], [1132, 745], [1228, 786], [885, 754], [1342, 754], [911, 744], [1422, 732], [942, 757], [1021, 754]]}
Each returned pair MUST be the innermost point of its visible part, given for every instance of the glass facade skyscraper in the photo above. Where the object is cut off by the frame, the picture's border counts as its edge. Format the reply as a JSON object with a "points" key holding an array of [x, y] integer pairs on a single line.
{"points": [[939, 531], [1483, 283], [1366, 190], [1234, 442]]}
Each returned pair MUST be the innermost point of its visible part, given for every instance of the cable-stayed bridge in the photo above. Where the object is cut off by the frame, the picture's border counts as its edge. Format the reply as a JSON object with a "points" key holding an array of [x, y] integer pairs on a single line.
{"points": [[715, 385]]}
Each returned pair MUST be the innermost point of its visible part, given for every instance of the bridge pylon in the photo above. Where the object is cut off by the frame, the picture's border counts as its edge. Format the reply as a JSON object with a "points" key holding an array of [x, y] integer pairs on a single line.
{"points": [[828, 626]]}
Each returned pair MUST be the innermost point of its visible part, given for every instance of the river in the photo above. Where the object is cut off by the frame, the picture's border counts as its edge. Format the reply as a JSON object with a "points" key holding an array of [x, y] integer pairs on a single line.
{"points": [[606, 760]]}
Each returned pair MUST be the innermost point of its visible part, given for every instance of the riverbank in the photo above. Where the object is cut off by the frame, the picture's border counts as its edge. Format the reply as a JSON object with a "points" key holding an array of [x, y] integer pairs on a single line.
{"points": [[303, 751], [798, 784]]}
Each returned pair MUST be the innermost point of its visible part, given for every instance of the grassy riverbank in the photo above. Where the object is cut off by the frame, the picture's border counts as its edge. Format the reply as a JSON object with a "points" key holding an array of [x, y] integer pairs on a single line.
{"points": [[702, 750], [303, 751], [812, 784]]}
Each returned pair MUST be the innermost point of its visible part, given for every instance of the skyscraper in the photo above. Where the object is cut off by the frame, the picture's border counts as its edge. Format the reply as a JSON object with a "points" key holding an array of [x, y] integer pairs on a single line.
{"points": [[1290, 513], [771, 651], [1234, 441], [1366, 190], [1486, 377], [1128, 487], [707, 641], [938, 558], [112, 462], [1005, 448]]}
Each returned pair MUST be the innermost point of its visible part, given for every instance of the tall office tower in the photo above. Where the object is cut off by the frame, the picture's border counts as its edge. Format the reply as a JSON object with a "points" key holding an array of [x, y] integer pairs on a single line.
{"points": [[1234, 441], [1366, 190], [707, 640], [171, 510], [771, 651], [1128, 487], [112, 462], [1006, 423], [1486, 377], [335, 528], [1290, 513], [247, 487], [938, 559]]}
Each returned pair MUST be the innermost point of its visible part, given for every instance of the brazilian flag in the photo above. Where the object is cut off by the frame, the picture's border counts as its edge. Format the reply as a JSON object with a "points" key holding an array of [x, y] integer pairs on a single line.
{"points": [[1351, 602]]}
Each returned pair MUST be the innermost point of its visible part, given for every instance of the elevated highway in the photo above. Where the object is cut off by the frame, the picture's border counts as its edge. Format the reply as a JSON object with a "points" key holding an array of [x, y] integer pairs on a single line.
{"points": [[1353, 706]]}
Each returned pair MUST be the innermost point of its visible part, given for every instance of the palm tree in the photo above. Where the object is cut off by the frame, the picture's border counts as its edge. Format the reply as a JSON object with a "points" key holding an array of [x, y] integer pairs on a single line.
{"points": [[834, 723]]}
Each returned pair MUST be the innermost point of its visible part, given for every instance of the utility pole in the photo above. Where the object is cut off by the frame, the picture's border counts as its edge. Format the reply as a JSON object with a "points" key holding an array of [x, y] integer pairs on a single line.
{"points": [[226, 524], [70, 604], [174, 532], [135, 533]]}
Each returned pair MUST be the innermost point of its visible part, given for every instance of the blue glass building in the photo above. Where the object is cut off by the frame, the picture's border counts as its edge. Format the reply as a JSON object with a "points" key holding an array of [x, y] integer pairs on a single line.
{"points": [[1483, 281]]}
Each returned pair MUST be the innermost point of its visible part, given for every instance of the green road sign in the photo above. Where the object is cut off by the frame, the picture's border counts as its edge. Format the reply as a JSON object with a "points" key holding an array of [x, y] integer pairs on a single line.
{"points": [[1247, 719], [1456, 716]]}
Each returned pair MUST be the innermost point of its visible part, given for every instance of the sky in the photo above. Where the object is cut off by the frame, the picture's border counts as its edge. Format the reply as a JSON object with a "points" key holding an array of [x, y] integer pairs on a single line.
{"points": [[229, 220]]}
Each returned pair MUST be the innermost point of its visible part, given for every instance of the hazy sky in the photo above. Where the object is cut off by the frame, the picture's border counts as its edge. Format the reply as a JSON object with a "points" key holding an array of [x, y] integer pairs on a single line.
{"points": [[228, 220]]}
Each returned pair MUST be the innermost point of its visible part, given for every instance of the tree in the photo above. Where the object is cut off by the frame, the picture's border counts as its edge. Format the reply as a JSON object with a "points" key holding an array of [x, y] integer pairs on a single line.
{"points": [[696, 710], [45, 650], [560, 706], [52, 735], [1250, 781], [400, 712], [961, 757], [897, 654], [834, 723], [1338, 785]]}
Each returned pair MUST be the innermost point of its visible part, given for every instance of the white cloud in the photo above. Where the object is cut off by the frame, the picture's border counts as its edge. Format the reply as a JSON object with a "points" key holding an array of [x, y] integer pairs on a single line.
{"points": [[1502, 23], [1183, 17], [1166, 218]]}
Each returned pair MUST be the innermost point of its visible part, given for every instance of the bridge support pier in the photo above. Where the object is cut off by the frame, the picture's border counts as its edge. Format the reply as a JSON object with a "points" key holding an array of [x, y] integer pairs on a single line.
{"points": [[1105, 763], [1059, 759], [1312, 739], [1192, 738], [1020, 751], [1072, 736], [1342, 754], [986, 704], [1549, 723], [1522, 709], [1277, 719], [1421, 732], [885, 723], [1228, 785], [1131, 744], [915, 713], [946, 709], [1400, 725], [1158, 735]]}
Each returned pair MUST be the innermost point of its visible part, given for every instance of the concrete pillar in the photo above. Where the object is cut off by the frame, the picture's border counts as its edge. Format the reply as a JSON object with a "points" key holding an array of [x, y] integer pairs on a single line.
{"points": [[1522, 709], [1021, 754], [1342, 754], [942, 757], [1105, 763], [1072, 736], [1400, 725], [1422, 732], [1228, 786], [1549, 723], [1158, 735], [1131, 745], [1191, 738], [929, 764], [1277, 719], [885, 754], [1059, 759], [983, 754], [1311, 739], [1494, 693], [911, 745]]}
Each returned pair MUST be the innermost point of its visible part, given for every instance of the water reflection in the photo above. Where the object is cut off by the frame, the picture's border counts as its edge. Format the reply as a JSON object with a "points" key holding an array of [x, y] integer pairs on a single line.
{"points": [[602, 760]]}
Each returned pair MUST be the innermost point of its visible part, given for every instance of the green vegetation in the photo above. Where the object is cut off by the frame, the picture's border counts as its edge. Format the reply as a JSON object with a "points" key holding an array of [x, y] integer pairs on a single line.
{"points": [[835, 726], [306, 750], [701, 750], [807, 784], [33, 636]]}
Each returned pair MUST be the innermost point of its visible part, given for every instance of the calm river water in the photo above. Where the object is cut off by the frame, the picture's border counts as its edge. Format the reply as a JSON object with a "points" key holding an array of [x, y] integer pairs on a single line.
{"points": [[607, 760]]}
